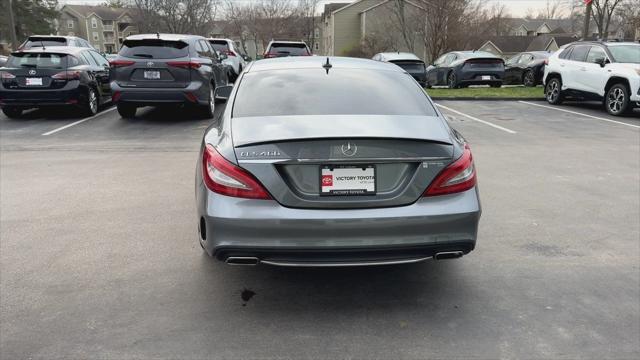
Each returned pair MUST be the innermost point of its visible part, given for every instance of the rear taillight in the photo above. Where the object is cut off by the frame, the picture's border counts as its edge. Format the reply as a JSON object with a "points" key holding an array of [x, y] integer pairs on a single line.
{"points": [[115, 96], [457, 177], [6, 75], [121, 63], [67, 75], [230, 53], [225, 178], [185, 64], [270, 55], [546, 61]]}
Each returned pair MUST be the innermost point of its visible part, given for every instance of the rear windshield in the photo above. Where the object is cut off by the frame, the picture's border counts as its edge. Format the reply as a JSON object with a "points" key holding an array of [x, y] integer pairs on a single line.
{"points": [[410, 66], [37, 42], [219, 45], [288, 49], [41, 60], [154, 49], [341, 92]]}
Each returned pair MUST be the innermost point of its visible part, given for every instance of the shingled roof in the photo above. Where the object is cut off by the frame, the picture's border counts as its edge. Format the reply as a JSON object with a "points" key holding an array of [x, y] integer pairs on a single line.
{"points": [[103, 12]]}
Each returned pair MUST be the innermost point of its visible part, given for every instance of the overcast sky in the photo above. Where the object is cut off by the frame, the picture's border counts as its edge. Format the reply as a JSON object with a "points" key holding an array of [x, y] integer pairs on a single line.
{"points": [[516, 7]]}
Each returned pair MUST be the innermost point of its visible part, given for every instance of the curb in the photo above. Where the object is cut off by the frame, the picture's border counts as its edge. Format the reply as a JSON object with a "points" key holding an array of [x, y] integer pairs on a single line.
{"points": [[486, 98]]}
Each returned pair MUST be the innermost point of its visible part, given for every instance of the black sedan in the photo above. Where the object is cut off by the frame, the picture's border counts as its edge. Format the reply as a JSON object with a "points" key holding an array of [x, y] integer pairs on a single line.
{"points": [[54, 76], [463, 68], [525, 68]]}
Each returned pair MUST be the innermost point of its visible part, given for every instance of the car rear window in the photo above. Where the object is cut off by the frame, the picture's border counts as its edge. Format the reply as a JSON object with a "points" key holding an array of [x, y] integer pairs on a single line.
{"points": [[219, 45], [154, 49], [42, 61], [289, 49], [410, 66], [39, 42], [340, 92]]}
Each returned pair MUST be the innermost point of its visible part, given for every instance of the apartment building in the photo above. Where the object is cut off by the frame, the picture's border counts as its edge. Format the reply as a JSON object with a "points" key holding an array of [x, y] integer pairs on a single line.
{"points": [[104, 27]]}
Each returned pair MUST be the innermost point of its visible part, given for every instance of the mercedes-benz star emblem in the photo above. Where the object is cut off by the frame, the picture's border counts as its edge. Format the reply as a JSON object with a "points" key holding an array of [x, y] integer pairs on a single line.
{"points": [[349, 149], [150, 64], [32, 72]]}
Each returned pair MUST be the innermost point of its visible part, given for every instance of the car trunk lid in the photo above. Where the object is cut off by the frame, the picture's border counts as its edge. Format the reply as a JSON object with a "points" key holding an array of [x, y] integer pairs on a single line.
{"points": [[37, 70], [153, 63], [372, 161]]}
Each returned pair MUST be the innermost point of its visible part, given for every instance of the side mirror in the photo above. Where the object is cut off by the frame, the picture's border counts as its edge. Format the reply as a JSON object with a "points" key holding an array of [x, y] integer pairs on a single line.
{"points": [[222, 93], [601, 61]]}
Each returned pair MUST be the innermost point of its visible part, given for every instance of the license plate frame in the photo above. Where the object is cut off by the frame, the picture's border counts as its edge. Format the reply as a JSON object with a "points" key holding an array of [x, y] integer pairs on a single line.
{"points": [[33, 81], [348, 187], [152, 75], [486, 77]]}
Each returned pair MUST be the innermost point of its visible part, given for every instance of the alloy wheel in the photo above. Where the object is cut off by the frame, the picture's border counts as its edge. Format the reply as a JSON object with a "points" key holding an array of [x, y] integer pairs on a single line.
{"points": [[452, 80], [528, 79], [93, 102], [553, 90], [616, 100]]}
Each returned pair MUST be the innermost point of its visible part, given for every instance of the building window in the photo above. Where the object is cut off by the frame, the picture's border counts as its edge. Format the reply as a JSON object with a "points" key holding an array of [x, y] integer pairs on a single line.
{"points": [[317, 33], [69, 24], [95, 36], [94, 23], [316, 46]]}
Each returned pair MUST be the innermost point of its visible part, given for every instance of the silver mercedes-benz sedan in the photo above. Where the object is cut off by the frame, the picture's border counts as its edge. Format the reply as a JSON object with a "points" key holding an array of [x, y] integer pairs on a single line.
{"points": [[333, 161]]}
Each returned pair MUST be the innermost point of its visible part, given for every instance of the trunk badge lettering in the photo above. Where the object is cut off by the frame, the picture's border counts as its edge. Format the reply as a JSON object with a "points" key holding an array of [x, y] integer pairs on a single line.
{"points": [[349, 149], [150, 64], [259, 153]]}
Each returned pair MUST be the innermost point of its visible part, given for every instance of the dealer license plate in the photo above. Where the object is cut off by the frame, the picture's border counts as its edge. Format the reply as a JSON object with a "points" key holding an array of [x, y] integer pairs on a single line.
{"points": [[486, 77], [33, 81], [152, 75], [348, 180]]}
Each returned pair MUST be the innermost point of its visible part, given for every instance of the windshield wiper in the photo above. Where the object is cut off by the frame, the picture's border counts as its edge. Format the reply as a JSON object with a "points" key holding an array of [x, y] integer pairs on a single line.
{"points": [[147, 56], [28, 65]]}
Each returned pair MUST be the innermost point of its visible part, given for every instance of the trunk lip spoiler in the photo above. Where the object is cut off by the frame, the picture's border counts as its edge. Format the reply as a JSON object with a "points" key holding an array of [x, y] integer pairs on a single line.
{"points": [[342, 138]]}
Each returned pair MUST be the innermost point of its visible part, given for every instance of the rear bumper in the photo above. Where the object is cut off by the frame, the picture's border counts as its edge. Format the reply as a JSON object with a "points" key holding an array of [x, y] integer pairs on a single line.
{"points": [[268, 231], [475, 77], [196, 93], [68, 95]]}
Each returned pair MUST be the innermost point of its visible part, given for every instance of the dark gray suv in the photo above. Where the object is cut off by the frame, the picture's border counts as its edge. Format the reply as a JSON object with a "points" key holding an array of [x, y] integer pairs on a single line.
{"points": [[159, 69]]}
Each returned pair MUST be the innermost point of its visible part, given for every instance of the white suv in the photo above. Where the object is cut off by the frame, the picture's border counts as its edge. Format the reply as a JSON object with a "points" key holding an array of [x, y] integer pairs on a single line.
{"points": [[235, 58], [607, 71]]}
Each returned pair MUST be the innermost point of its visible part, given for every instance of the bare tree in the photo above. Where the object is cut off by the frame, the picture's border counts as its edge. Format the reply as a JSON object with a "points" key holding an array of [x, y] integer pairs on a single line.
{"points": [[177, 16], [603, 12], [628, 15]]}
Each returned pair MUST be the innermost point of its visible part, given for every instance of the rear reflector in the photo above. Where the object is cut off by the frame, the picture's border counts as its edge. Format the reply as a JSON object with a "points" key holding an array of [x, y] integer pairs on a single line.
{"points": [[185, 64], [191, 97], [121, 63], [6, 75], [67, 75], [457, 177], [115, 96], [225, 178]]}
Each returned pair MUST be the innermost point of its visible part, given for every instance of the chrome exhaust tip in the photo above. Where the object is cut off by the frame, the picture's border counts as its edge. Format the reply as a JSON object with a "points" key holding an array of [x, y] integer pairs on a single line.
{"points": [[445, 255], [242, 260]]}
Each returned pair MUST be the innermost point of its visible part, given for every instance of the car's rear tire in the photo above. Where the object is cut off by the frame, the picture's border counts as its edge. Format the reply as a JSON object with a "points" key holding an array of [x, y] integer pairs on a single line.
{"points": [[91, 103], [12, 112], [452, 81], [616, 100], [529, 79], [126, 111], [209, 109], [553, 91]]}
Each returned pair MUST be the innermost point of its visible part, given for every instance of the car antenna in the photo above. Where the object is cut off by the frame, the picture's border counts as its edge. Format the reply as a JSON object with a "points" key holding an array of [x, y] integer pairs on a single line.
{"points": [[327, 66], [42, 43]]}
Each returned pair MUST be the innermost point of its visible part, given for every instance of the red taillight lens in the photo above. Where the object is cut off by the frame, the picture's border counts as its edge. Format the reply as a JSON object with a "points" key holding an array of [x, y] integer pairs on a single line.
{"points": [[270, 55], [67, 75], [546, 61], [225, 178], [229, 53], [121, 63], [115, 96], [6, 75], [457, 177], [185, 64]]}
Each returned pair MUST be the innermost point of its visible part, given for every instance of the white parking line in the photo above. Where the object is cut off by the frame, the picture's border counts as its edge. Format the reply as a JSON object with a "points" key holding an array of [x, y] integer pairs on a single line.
{"points": [[77, 122], [581, 114], [478, 120]]}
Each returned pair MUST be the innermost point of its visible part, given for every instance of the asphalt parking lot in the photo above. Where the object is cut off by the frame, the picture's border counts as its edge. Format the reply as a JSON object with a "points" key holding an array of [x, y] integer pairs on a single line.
{"points": [[99, 257]]}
